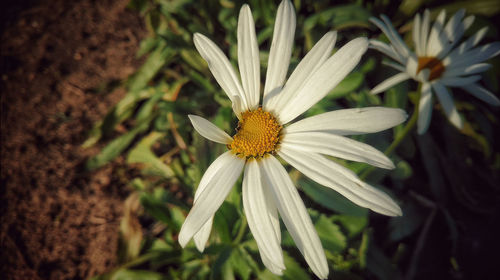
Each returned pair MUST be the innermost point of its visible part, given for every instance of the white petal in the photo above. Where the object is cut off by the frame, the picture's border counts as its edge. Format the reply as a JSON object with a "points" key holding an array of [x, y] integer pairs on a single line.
{"points": [[220, 177], [309, 64], [467, 70], [459, 81], [424, 32], [390, 82], [395, 65], [329, 75], [453, 26], [337, 146], [454, 31], [248, 57], [391, 34], [482, 93], [294, 215], [209, 130], [220, 67], [424, 109], [340, 179], [399, 43], [446, 101], [281, 48], [257, 213], [387, 50], [351, 121], [201, 237], [467, 45], [437, 39], [473, 56]]}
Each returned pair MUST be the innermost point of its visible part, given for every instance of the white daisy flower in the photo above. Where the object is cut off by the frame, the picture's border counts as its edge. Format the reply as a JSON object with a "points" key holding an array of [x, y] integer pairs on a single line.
{"points": [[261, 135], [438, 63]]}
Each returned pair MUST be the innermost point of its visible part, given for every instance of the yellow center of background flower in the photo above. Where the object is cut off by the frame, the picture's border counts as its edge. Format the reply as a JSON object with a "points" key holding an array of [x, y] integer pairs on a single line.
{"points": [[256, 135], [435, 66]]}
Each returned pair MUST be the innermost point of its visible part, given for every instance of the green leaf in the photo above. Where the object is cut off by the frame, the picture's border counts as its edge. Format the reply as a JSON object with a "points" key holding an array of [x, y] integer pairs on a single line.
{"points": [[156, 206], [331, 236], [353, 224], [331, 199], [239, 263], [116, 147], [159, 57], [221, 269], [142, 153], [345, 16], [294, 270], [128, 274], [350, 83]]}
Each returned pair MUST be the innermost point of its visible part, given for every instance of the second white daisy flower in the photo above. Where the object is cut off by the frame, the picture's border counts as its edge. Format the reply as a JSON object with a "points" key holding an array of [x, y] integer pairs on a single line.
{"points": [[438, 62]]}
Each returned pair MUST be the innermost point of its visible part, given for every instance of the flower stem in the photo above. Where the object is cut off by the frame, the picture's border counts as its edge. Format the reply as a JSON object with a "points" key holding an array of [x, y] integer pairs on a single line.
{"points": [[241, 231]]}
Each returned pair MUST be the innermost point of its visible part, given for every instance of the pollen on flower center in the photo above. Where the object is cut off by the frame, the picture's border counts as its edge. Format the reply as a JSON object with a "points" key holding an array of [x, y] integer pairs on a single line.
{"points": [[257, 134], [435, 66]]}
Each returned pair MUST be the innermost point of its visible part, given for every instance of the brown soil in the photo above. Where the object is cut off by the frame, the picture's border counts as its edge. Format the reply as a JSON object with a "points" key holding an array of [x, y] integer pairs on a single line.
{"points": [[58, 59]]}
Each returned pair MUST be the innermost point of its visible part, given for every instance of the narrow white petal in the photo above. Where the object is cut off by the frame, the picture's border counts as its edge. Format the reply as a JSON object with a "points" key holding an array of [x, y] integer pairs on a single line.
{"points": [[467, 70], [459, 81], [344, 181], [209, 130], [201, 237], [294, 215], [272, 209], [351, 121], [329, 75], [281, 48], [454, 30], [390, 82], [337, 146], [416, 34], [453, 25], [257, 213], [424, 109], [248, 57], [476, 55], [446, 101], [436, 40], [467, 45], [395, 65], [220, 67], [424, 32], [213, 191], [321, 51], [482, 93], [391, 34], [387, 50], [270, 265], [399, 43]]}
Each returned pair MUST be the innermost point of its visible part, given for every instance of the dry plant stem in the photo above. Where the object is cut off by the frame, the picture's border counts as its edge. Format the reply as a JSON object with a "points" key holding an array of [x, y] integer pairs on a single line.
{"points": [[400, 137]]}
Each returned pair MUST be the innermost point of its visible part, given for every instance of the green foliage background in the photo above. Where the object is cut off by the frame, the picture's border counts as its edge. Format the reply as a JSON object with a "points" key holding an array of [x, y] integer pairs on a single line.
{"points": [[445, 181]]}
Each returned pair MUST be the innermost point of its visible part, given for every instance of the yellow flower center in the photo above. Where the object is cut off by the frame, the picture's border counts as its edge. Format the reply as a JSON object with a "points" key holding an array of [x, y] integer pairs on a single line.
{"points": [[435, 66], [257, 134]]}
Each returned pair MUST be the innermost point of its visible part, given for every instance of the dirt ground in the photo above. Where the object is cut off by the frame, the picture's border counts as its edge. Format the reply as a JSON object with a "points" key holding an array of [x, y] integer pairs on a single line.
{"points": [[57, 59]]}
